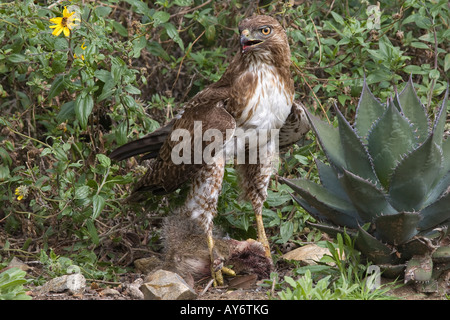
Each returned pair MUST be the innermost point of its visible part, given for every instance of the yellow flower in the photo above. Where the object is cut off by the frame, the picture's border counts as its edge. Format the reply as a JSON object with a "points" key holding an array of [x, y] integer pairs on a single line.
{"points": [[83, 46], [64, 23], [75, 56], [21, 192]]}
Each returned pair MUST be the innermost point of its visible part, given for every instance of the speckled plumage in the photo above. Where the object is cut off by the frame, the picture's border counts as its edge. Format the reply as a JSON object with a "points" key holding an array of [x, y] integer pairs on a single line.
{"points": [[255, 92]]}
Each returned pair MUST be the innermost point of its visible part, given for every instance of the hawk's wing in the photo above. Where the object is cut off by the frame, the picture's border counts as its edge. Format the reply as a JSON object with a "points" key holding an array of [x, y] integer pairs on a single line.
{"points": [[295, 127], [164, 175]]}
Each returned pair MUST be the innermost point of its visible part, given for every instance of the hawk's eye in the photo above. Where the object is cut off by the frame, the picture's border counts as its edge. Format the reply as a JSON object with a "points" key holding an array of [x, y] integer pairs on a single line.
{"points": [[266, 30]]}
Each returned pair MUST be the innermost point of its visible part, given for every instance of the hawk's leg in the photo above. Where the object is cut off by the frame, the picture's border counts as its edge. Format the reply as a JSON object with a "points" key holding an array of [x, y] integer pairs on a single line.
{"points": [[201, 203], [255, 179]]}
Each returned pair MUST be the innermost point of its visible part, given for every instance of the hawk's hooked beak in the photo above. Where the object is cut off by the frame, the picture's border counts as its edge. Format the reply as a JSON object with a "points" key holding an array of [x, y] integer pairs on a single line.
{"points": [[247, 41]]}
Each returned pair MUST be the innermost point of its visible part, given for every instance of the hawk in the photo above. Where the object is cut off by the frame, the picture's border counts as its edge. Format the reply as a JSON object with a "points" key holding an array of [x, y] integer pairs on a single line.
{"points": [[255, 94]]}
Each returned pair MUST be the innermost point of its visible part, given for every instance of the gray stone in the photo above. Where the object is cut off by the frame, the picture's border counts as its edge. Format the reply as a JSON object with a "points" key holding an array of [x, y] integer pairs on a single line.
{"points": [[15, 262], [133, 289], [73, 283], [166, 285], [110, 292]]}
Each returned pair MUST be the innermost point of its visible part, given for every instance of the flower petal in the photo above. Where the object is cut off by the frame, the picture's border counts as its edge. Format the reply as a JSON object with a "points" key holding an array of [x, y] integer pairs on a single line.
{"points": [[56, 20], [57, 31], [66, 32]]}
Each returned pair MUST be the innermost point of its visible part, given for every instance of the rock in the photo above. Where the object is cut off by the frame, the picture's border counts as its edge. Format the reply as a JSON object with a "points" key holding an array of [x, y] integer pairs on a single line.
{"points": [[166, 285], [308, 254], [110, 292], [147, 265], [15, 262], [133, 289], [73, 283]]}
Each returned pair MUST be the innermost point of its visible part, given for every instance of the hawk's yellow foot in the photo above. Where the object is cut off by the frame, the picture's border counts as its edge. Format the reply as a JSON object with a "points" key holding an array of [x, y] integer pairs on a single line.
{"points": [[262, 238]]}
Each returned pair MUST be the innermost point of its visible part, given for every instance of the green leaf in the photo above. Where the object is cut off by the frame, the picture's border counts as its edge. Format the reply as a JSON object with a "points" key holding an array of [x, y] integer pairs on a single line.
{"points": [[338, 18], [447, 62], [391, 137], [160, 17], [58, 85], [435, 213], [84, 104], [141, 6], [397, 228], [172, 32], [366, 197], [92, 230], [419, 45], [324, 202], [414, 110], [183, 3], [330, 181], [446, 153], [286, 231], [82, 192], [131, 89], [4, 173], [376, 251], [104, 160], [102, 11], [4, 155], [415, 176], [98, 203], [329, 140], [67, 111], [440, 120], [120, 29], [11, 284], [357, 159], [17, 58], [368, 111]]}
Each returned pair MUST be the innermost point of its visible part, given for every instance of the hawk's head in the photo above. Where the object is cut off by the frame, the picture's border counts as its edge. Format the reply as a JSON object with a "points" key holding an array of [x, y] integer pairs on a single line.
{"points": [[262, 35]]}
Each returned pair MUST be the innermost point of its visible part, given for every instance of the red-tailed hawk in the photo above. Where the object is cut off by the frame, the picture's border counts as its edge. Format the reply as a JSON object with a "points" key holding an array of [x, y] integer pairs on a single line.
{"points": [[255, 99]]}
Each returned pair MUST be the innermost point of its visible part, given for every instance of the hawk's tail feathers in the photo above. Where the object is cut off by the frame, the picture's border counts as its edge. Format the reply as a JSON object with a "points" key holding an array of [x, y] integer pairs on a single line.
{"points": [[149, 145]]}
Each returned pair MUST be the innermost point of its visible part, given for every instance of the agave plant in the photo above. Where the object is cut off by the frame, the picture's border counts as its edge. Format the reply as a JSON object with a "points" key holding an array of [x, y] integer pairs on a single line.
{"points": [[387, 183]]}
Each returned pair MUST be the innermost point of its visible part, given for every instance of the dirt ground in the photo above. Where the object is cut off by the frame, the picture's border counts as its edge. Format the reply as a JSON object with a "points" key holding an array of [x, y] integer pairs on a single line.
{"points": [[255, 292]]}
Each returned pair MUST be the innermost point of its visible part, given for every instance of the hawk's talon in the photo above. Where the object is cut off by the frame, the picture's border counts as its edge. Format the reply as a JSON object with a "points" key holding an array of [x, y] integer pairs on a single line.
{"points": [[218, 278], [228, 272]]}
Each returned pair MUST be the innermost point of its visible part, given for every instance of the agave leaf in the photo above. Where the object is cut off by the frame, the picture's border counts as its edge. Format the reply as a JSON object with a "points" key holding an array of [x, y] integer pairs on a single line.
{"points": [[436, 213], [415, 176], [414, 110], [441, 254], [366, 197], [357, 159], [369, 109], [419, 268], [438, 191], [416, 246], [446, 154], [325, 203], [397, 228], [439, 121], [329, 139], [376, 251], [332, 231], [330, 181], [389, 139], [310, 209]]}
